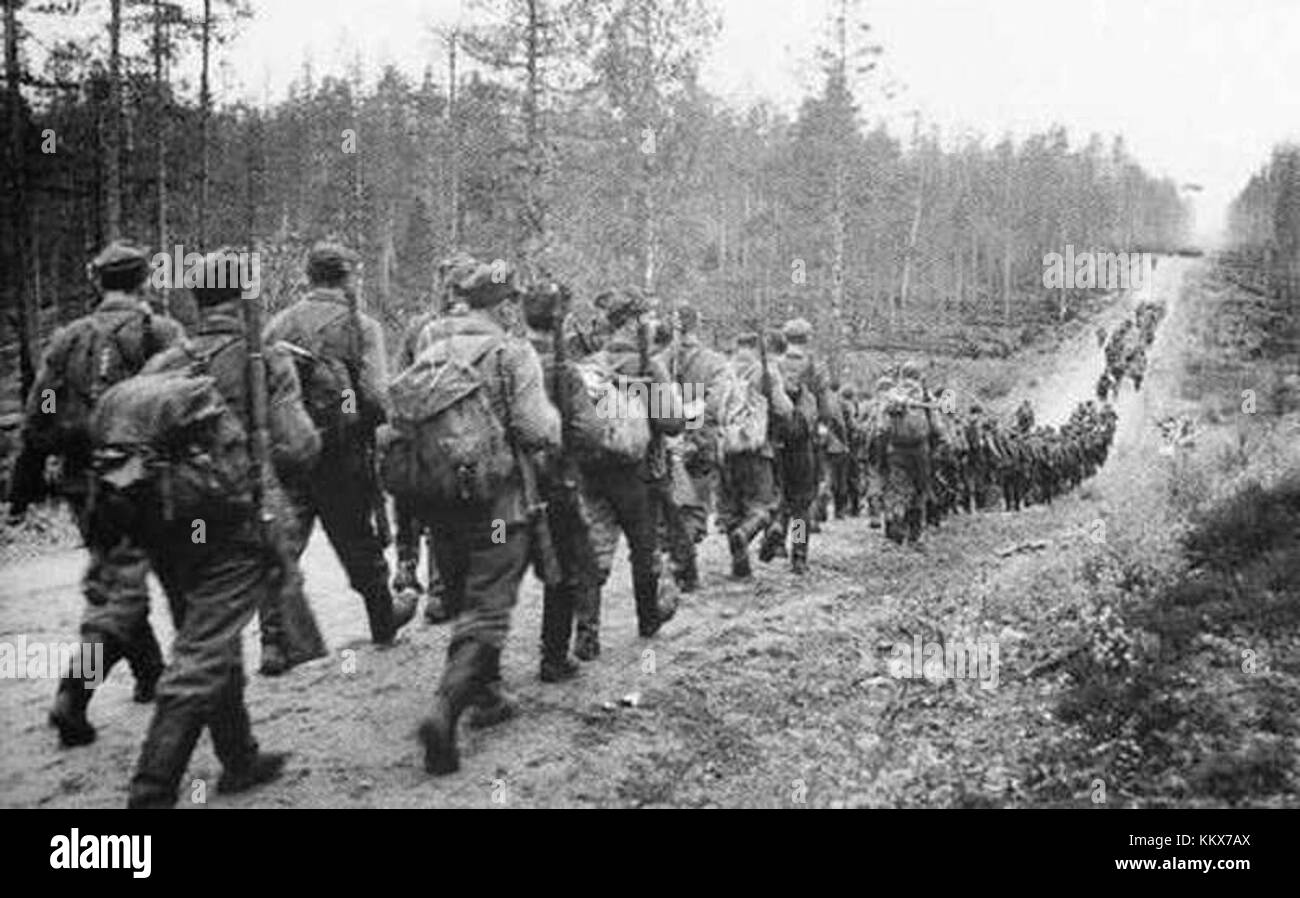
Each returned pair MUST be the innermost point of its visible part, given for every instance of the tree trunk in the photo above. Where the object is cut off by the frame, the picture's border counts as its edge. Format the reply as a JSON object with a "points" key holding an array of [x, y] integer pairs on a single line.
{"points": [[205, 110], [160, 139], [453, 164], [113, 142], [28, 323]]}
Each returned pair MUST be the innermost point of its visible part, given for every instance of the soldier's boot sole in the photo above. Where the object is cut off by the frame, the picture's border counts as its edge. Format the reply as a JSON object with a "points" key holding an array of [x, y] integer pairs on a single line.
{"points": [[264, 768]]}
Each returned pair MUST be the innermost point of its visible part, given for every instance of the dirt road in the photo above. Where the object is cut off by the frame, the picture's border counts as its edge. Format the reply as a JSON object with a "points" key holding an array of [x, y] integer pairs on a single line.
{"points": [[771, 693]]}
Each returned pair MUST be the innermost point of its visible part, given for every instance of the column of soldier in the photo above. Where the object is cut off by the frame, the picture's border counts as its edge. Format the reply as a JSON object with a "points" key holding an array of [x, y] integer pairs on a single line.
{"points": [[208, 457]]}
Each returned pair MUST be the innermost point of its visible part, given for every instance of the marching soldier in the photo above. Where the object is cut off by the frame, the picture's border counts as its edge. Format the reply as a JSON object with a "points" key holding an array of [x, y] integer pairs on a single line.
{"points": [[907, 460], [215, 585], [797, 456], [748, 495], [618, 493], [698, 368], [673, 493], [483, 550], [85, 358], [562, 482], [342, 492], [874, 449], [409, 531]]}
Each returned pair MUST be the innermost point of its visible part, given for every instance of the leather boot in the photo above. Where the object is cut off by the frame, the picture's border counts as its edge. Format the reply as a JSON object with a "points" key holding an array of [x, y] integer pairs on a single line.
{"points": [[147, 665], [69, 713], [557, 630], [739, 546], [586, 642], [461, 682], [385, 619], [493, 705], [243, 764], [170, 742]]}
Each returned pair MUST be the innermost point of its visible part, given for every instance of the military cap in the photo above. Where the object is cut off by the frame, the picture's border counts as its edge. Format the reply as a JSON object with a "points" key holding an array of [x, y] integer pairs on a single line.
{"points": [[621, 306], [330, 263], [486, 284], [797, 330], [883, 383], [748, 341], [120, 256], [910, 370]]}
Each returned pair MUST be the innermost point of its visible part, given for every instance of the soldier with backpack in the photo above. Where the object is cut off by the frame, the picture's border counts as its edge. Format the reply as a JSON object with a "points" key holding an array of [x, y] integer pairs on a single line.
{"points": [[84, 359], [909, 434], [545, 311], [178, 451], [618, 479], [701, 368], [797, 457], [339, 353], [468, 417], [752, 403], [409, 530]]}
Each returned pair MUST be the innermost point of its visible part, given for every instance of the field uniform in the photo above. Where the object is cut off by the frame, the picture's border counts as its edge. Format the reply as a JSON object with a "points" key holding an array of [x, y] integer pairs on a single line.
{"points": [[341, 492], [114, 583], [482, 553], [215, 586]]}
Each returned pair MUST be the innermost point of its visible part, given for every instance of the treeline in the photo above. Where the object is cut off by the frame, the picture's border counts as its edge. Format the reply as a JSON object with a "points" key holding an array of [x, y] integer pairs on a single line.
{"points": [[1264, 221], [571, 135]]}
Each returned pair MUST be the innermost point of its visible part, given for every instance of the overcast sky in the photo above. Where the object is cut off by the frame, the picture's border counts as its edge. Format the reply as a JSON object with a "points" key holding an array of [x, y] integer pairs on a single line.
{"points": [[1200, 89]]}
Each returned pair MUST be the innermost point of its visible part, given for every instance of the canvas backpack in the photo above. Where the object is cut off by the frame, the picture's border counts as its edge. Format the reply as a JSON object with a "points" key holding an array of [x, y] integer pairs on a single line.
{"points": [[326, 382], [445, 446], [168, 448], [94, 362], [742, 415], [624, 436], [907, 423]]}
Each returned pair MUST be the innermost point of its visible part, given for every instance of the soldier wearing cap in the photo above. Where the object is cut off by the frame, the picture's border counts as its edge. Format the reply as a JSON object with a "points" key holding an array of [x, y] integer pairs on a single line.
{"points": [[748, 498], [561, 482], [328, 326], [797, 458], [686, 498], [482, 553], [406, 583], [701, 368], [214, 586], [84, 358], [618, 493]]}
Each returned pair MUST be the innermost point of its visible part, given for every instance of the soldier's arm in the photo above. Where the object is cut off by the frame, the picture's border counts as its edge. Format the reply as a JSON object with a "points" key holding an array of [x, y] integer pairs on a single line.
{"points": [[295, 442], [27, 480], [372, 386], [534, 420]]}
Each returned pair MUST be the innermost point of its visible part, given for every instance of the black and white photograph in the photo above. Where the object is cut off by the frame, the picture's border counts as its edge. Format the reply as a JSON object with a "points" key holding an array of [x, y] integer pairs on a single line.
{"points": [[611, 404]]}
